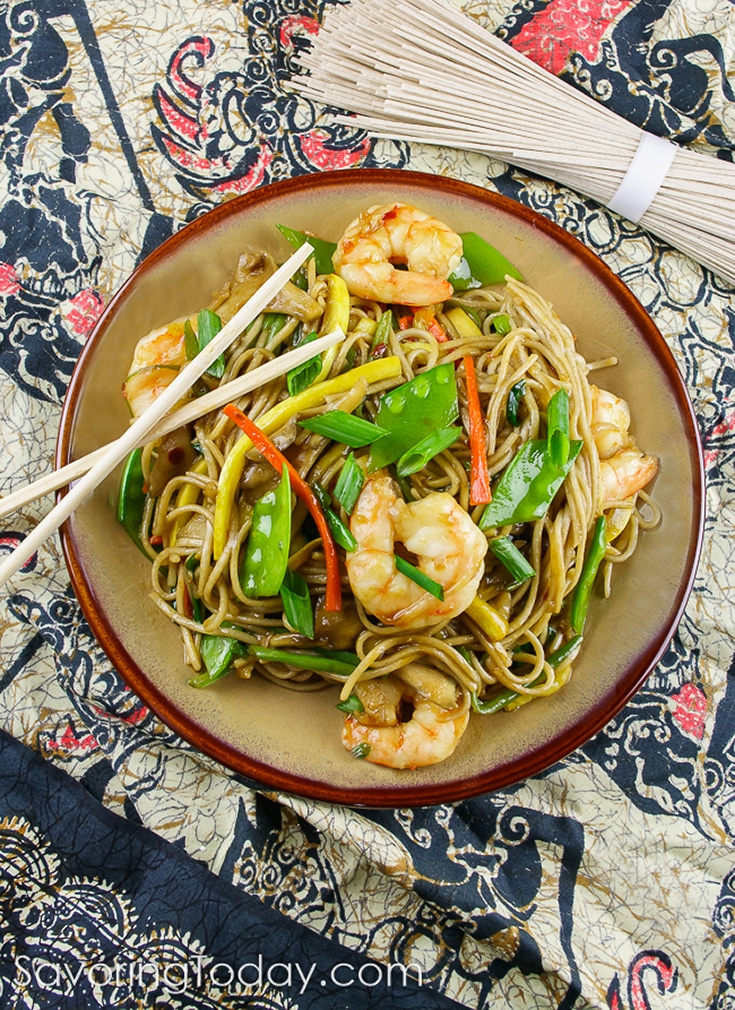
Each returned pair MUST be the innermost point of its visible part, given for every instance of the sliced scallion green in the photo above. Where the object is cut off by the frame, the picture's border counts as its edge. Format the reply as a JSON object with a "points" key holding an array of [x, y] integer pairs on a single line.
{"points": [[341, 533], [296, 602], [502, 324], [516, 563], [302, 376], [383, 330], [349, 483], [304, 660], [351, 704], [191, 344], [218, 653], [418, 456], [419, 577], [208, 326], [515, 395], [273, 322], [323, 250], [557, 428], [343, 427]]}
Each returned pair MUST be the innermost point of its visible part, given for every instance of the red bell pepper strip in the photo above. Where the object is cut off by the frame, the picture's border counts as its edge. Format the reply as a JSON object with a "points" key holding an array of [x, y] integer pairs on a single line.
{"points": [[425, 319], [479, 478], [333, 600]]}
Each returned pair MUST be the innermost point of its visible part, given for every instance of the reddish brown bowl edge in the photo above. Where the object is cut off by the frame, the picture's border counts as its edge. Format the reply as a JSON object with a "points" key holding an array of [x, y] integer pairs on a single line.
{"points": [[501, 776]]}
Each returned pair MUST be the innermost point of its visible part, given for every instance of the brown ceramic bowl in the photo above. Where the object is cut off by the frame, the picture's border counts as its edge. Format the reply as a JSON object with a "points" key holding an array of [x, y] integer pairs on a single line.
{"points": [[291, 742]]}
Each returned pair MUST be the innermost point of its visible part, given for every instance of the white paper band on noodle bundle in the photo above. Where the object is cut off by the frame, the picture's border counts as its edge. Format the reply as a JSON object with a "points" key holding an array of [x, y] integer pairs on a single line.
{"points": [[642, 181]]}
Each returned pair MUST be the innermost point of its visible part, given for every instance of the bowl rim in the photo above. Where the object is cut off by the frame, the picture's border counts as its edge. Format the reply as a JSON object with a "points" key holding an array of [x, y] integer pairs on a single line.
{"points": [[539, 759]]}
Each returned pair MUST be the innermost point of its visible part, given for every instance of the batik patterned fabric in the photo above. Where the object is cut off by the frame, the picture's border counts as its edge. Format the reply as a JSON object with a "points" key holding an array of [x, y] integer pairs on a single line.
{"points": [[605, 882]]}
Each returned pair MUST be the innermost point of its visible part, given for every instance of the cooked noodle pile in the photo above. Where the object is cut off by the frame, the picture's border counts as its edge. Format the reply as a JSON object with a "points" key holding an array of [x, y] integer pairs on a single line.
{"points": [[497, 655]]}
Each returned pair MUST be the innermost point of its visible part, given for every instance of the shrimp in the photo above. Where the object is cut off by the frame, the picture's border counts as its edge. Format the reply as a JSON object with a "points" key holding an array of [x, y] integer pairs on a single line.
{"points": [[161, 354], [383, 236], [431, 734], [449, 546], [157, 360], [624, 469]]}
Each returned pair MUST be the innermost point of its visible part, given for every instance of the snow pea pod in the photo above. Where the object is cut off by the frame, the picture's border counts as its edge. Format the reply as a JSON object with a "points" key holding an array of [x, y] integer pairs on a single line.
{"points": [[266, 551], [131, 498], [323, 250], [481, 264], [528, 485], [583, 590], [410, 412], [218, 653]]}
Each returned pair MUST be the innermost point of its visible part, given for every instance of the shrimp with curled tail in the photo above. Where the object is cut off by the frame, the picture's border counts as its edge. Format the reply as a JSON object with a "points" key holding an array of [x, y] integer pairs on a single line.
{"points": [[157, 360], [448, 545], [624, 469], [384, 236], [408, 720]]}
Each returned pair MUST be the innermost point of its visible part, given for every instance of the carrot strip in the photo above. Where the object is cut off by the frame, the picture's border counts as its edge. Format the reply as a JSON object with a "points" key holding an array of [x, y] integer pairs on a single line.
{"points": [[479, 478], [426, 319], [333, 601]]}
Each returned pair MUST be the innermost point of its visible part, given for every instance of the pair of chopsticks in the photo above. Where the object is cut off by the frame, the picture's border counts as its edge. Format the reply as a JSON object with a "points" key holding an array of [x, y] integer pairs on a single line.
{"points": [[160, 417]]}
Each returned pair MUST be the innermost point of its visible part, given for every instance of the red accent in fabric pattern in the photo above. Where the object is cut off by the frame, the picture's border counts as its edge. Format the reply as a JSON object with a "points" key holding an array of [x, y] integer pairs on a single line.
{"points": [[294, 26], [315, 147], [85, 308], [565, 27], [175, 119], [690, 706], [253, 179], [69, 741], [9, 281]]}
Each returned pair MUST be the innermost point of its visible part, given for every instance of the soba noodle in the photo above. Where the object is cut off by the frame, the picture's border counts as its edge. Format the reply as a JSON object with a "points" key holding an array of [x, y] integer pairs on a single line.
{"points": [[516, 656]]}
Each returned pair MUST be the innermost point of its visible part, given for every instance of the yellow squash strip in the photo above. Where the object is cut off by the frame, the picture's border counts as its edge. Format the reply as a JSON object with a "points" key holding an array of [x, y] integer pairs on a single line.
{"points": [[464, 325], [187, 496], [336, 317], [271, 420], [492, 623]]}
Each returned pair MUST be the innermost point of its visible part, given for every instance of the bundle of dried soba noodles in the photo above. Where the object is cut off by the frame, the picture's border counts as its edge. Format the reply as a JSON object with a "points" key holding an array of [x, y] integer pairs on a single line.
{"points": [[419, 70]]}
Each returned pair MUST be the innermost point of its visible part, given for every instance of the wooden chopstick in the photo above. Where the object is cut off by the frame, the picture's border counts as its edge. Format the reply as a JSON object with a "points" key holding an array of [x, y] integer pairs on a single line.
{"points": [[140, 430], [184, 415]]}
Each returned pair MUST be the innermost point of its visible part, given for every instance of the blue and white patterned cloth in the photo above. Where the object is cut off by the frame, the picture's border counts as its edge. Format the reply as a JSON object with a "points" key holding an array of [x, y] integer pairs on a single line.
{"points": [[136, 872]]}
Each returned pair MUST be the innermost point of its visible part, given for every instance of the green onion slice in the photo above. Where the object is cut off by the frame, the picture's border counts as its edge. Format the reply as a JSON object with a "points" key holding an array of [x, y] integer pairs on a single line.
{"points": [[323, 250], [383, 330], [557, 428], [191, 343], [218, 653], [515, 395], [296, 602], [208, 326], [502, 324], [516, 563], [351, 704], [419, 577], [304, 660], [343, 427], [349, 484], [341, 533], [302, 376], [416, 458]]}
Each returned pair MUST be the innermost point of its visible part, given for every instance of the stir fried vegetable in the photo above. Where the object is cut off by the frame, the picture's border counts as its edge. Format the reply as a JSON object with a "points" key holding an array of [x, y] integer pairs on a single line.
{"points": [[304, 492], [269, 540], [351, 531], [276, 417], [412, 411]]}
